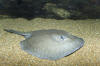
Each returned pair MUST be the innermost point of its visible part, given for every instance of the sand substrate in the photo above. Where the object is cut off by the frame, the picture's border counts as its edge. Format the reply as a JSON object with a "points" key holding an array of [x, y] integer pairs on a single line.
{"points": [[12, 55]]}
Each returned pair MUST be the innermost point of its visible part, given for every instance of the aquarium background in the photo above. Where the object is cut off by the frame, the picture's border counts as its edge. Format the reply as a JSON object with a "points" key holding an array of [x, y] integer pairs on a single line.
{"points": [[78, 17]]}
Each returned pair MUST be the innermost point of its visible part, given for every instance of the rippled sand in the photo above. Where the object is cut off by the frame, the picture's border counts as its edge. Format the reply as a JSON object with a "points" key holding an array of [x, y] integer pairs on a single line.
{"points": [[12, 55]]}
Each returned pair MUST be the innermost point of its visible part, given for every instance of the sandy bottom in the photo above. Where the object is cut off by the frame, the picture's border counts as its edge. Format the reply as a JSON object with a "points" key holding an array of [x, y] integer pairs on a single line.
{"points": [[12, 55]]}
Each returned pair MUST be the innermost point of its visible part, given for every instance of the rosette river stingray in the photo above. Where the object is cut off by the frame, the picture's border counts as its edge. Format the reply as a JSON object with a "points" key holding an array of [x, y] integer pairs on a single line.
{"points": [[49, 44]]}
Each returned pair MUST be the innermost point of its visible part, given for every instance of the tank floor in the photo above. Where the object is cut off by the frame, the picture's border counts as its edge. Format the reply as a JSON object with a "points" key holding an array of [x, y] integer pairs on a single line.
{"points": [[12, 55]]}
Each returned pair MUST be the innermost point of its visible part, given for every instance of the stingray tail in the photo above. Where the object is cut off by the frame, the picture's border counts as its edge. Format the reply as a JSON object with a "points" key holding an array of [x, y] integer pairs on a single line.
{"points": [[25, 34]]}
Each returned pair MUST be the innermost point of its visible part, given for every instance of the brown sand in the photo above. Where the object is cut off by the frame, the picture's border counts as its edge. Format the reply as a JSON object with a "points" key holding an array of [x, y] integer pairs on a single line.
{"points": [[12, 55]]}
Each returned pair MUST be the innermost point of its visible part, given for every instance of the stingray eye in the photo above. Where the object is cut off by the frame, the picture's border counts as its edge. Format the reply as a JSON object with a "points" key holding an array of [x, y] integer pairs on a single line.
{"points": [[62, 37]]}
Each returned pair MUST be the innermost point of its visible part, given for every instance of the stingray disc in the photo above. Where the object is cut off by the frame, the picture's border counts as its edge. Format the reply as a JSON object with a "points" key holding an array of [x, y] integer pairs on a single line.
{"points": [[49, 44]]}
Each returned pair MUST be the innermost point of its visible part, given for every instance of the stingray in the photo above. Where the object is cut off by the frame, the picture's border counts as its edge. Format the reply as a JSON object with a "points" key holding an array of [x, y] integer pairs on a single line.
{"points": [[51, 44]]}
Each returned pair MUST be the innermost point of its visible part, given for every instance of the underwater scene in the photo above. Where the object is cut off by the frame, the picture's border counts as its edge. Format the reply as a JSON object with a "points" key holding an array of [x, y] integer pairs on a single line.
{"points": [[49, 32]]}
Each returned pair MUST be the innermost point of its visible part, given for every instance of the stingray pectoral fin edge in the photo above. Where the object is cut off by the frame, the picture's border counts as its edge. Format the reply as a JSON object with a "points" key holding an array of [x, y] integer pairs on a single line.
{"points": [[25, 34], [75, 50], [81, 45]]}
